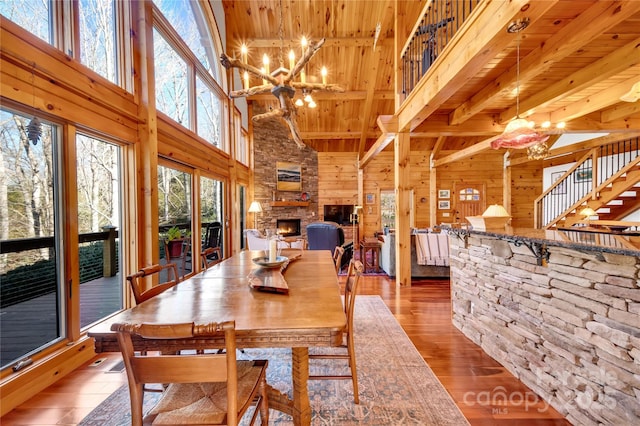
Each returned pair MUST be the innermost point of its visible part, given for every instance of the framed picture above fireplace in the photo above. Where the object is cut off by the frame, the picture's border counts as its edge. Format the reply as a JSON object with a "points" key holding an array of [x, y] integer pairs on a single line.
{"points": [[288, 176]]}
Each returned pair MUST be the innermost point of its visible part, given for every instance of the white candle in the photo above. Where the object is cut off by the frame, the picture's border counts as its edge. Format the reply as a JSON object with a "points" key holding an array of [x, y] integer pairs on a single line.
{"points": [[323, 72], [292, 60], [246, 80], [243, 53], [273, 250]]}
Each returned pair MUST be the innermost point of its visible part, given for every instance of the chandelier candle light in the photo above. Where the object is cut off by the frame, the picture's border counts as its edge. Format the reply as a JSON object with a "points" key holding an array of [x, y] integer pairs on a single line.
{"points": [[282, 81]]}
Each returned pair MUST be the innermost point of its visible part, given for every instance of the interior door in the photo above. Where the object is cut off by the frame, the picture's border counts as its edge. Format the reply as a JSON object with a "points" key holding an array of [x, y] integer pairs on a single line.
{"points": [[469, 200]]}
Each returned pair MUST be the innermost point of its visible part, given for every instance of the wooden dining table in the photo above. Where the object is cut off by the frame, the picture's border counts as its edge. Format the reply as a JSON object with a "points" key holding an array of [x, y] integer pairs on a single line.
{"points": [[310, 314]]}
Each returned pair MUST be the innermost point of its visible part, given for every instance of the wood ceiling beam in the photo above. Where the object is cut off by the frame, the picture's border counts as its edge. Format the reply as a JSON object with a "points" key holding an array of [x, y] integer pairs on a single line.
{"points": [[352, 95], [464, 153], [266, 43], [388, 124], [619, 111], [592, 143], [437, 147], [465, 56], [619, 60], [603, 99], [438, 125], [336, 135], [368, 102], [589, 25], [567, 154], [593, 123]]}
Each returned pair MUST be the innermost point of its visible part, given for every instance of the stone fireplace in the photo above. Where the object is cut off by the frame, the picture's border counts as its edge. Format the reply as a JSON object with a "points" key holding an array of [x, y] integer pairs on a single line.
{"points": [[272, 143], [288, 227]]}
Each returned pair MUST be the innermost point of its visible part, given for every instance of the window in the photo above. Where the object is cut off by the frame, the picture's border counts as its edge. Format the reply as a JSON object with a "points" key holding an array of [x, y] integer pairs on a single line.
{"points": [[31, 281], [171, 81], [209, 117], [211, 205], [34, 16], [98, 171], [174, 210], [185, 67], [98, 37], [388, 208], [187, 20], [241, 139]]}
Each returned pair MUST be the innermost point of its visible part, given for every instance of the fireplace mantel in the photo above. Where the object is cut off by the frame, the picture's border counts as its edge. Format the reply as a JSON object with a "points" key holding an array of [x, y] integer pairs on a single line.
{"points": [[289, 204]]}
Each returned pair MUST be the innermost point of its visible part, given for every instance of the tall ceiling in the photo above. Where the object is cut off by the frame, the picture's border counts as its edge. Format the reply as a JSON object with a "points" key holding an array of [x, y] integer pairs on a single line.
{"points": [[576, 59]]}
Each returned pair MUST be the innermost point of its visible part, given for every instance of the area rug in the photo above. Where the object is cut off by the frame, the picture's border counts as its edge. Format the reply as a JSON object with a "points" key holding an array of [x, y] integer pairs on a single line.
{"points": [[397, 387]]}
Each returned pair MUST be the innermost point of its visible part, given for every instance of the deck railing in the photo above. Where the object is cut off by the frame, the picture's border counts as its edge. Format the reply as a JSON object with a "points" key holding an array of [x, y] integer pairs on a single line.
{"points": [[441, 20]]}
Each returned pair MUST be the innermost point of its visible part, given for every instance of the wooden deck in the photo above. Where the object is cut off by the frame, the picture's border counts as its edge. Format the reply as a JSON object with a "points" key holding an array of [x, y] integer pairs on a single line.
{"points": [[27, 326]]}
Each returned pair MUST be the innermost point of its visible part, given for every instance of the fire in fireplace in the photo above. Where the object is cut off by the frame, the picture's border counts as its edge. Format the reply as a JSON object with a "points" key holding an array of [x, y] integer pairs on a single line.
{"points": [[288, 227]]}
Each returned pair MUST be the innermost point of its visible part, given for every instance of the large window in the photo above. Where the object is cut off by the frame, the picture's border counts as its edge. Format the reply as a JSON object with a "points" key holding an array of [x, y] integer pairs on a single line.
{"points": [[174, 210], [34, 16], [98, 33], [31, 280], [98, 171], [171, 81], [98, 37], [185, 67]]}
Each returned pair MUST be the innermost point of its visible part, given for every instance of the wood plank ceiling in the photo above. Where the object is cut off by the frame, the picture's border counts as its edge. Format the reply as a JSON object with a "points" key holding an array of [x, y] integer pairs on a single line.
{"points": [[576, 59]]}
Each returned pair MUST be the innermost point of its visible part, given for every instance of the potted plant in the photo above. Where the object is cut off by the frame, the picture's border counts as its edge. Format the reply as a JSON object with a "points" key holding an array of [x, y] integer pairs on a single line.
{"points": [[174, 239]]}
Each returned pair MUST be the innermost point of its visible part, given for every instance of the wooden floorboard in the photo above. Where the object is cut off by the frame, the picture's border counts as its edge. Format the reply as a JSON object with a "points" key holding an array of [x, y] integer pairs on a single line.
{"points": [[471, 377]]}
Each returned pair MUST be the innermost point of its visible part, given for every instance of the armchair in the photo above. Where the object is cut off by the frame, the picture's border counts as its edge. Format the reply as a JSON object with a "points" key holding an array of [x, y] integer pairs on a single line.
{"points": [[327, 236], [256, 240]]}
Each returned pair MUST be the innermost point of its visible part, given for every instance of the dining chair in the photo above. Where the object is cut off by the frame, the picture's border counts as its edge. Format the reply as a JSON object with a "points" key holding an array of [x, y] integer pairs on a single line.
{"points": [[184, 255], [354, 273], [210, 256], [137, 281], [337, 258], [203, 389]]}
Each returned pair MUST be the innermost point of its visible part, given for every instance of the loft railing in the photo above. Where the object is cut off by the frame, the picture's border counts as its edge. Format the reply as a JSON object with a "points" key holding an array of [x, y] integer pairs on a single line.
{"points": [[594, 171], [441, 20]]}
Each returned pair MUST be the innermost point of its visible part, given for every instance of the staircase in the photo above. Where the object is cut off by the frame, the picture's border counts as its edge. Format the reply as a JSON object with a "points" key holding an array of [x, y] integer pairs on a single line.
{"points": [[611, 188]]}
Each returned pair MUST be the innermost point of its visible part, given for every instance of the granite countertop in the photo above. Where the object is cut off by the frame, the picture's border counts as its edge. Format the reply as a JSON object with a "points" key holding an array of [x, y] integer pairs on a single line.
{"points": [[617, 243]]}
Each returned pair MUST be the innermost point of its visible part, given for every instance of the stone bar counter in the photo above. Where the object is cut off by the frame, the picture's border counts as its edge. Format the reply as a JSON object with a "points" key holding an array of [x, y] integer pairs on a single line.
{"points": [[560, 310]]}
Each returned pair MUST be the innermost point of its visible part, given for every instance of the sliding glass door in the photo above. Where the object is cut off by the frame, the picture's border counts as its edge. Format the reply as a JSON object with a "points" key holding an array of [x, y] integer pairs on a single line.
{"points": [[31, 272], [99, 229]]}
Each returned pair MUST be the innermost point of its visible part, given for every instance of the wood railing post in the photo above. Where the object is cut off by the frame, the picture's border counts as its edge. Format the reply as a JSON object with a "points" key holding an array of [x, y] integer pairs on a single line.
{"points": [[109, 260]]}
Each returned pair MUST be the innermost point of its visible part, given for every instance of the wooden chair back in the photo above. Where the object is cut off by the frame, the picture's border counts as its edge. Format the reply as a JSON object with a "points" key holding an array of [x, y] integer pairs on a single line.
{"points": [[137, 281], [185, 254], [337, 258], [356, 268], [210, 256], [199, 369], [355, 271]]}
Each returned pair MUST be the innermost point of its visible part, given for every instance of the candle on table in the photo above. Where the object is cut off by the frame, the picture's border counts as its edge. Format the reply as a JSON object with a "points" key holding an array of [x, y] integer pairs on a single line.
{"points": [[323, 71], [273, 250]]}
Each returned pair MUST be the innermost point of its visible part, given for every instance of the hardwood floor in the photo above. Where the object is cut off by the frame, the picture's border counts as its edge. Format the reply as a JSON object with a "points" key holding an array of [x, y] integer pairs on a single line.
{"points": [[471, 377]]}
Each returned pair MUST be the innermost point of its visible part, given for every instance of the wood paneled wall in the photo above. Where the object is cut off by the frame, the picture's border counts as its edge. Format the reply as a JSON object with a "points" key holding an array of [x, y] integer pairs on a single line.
{"points": [[338, 184]]}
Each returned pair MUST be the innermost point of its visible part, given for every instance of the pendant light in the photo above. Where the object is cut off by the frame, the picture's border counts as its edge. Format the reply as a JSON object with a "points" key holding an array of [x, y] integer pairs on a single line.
{"points": [[518, 133]]}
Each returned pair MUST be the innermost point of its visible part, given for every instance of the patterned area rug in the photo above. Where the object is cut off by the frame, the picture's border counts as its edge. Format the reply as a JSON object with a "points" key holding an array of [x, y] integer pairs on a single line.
{"points": [[397, 387]]}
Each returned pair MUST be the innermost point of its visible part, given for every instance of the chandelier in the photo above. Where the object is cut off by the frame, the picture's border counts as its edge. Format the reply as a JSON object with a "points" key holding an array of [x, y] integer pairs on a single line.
{"points": [[519, 132], [282, 82]]}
